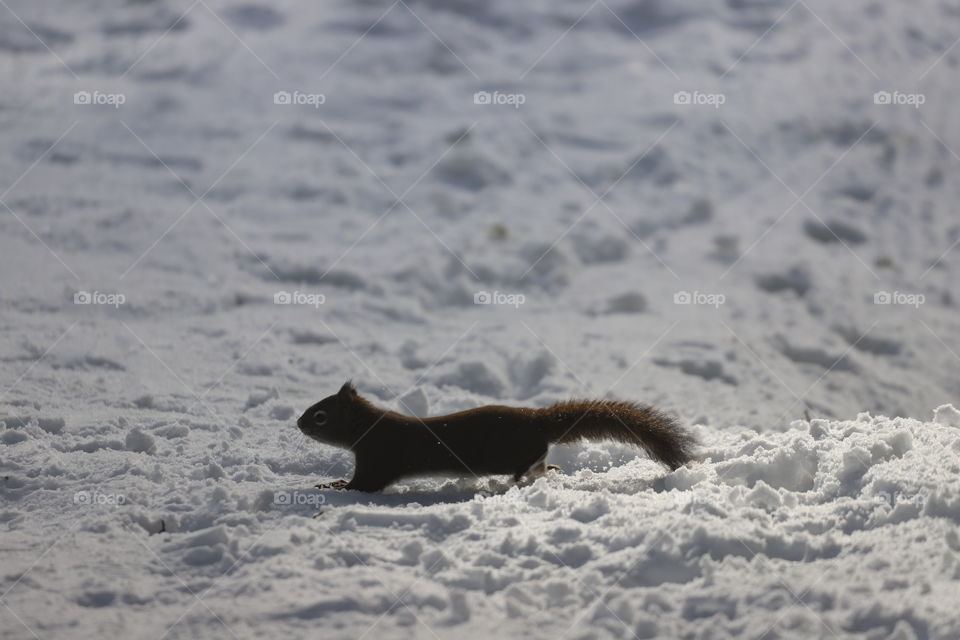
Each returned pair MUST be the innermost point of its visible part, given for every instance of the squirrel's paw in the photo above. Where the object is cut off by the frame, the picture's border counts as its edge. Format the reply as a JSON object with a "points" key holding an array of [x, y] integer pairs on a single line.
{"points": [[336, 485]]}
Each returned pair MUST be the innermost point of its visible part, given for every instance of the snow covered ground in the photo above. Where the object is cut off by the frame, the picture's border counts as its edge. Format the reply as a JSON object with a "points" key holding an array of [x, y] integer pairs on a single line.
{"points": [[213, 213]]}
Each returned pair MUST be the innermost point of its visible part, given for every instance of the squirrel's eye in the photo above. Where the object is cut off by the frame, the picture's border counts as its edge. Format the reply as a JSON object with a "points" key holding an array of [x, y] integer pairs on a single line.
{"points": [[320, 417]]}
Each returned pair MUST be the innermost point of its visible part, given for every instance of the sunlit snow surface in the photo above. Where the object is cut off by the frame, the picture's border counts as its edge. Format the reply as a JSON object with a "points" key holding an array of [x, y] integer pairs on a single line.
{"points": [[214, 213]]}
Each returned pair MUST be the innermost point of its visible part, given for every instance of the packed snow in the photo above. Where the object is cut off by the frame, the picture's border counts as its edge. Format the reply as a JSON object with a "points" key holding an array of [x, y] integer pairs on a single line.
{"points": [[213, 213]]}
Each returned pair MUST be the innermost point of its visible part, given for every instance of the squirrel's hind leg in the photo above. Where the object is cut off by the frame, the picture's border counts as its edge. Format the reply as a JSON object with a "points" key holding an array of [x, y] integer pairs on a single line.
{"points": [[537, 469]]}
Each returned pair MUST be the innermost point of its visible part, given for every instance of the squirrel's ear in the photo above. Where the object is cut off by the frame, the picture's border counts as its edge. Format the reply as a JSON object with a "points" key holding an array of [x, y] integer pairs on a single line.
{"points": [[347, 391]]}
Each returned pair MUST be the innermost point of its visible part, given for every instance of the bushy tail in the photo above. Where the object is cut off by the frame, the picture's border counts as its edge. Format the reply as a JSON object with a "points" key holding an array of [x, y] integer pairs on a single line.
{"points": [[660, 435]]}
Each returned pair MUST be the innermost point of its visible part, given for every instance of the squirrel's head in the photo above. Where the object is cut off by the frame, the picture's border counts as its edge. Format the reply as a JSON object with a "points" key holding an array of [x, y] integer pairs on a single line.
{"points": [[329, 421]]}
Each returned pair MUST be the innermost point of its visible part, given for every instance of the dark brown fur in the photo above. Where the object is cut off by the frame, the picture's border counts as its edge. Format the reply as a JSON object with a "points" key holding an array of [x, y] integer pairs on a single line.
{"points": [[486, 440]]}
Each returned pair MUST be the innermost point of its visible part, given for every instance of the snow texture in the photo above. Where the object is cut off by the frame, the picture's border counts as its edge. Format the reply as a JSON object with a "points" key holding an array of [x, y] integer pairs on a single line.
{"points": [[214, 213]]}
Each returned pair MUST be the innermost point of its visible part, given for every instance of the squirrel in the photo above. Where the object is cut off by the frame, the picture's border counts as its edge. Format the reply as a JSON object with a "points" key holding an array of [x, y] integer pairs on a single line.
{"points": [[486, 440]]}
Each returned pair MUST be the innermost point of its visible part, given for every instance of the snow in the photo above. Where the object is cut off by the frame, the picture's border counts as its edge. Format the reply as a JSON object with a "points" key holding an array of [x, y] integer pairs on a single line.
{"points": [[215, 213], [826, 528]]}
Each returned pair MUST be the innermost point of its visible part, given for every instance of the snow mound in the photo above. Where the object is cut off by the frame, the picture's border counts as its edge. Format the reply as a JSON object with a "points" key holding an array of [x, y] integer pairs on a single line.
{"points": [[847, 527]]}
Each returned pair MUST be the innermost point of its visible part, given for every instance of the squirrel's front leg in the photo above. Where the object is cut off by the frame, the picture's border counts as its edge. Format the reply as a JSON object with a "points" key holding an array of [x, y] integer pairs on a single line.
{"points": [[366, 477], [337, 485], [358, 483], [370, 481]]}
